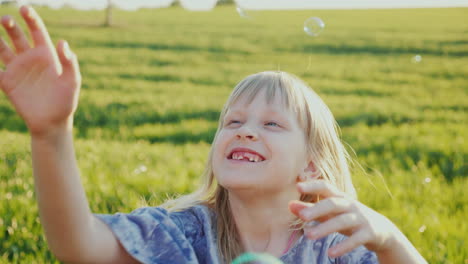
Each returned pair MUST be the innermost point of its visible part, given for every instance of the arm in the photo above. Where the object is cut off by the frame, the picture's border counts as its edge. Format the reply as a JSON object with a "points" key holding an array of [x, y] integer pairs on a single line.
{"points": [[73, 233], [363, 226], [43, 85], [400, 251]]}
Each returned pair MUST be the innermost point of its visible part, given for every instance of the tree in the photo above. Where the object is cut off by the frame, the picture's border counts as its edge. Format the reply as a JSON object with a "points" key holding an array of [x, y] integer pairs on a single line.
{"points": [[108, 21], [226, 2], [220, 2]]}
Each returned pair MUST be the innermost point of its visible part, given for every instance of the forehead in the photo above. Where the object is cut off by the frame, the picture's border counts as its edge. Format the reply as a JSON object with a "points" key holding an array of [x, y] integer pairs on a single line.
{"points": [[275, 102]]}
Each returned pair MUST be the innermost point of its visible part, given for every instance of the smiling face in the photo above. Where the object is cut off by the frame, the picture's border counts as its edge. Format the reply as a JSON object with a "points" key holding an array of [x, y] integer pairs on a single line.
{"points": [[260, 145]]}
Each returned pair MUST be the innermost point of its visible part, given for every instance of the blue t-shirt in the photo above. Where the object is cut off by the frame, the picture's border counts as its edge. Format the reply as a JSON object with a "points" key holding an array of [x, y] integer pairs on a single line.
{"points": [[154, 235]]}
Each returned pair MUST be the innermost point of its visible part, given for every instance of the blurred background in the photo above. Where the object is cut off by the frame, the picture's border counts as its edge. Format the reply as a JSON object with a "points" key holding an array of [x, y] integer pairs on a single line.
{"points": [[157, 73]]}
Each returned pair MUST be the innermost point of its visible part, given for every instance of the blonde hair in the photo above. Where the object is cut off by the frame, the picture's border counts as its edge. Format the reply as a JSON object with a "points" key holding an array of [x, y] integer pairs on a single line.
{"points": [[324, 146]]}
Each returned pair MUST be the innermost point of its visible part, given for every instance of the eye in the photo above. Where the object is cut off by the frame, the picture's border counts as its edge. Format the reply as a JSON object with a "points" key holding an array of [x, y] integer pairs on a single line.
{"points": [[272, 123], [231, 122]]}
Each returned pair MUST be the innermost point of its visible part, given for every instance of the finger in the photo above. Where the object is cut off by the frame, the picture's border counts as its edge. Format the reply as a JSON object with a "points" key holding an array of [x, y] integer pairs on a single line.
{"points": [[319, 187], [341, 223], [297, 206], [69, 61], [6, 54], [16, 34], [325, 209], [36, 26], [357, 239]]}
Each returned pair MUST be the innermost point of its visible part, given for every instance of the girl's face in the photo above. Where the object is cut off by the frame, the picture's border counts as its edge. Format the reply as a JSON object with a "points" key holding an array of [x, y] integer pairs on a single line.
{"points": [[260, 146]]}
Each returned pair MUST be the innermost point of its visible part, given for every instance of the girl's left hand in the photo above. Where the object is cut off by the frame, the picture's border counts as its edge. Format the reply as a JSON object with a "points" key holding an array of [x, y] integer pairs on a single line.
{"points": [[339, 213]]}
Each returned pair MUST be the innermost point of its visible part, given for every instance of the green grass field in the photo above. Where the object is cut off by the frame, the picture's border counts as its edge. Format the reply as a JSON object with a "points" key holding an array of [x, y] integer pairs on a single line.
{"points": [[154, 84]]}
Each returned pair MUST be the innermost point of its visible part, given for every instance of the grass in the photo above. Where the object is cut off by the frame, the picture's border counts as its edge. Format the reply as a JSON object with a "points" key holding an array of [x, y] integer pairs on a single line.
{"points": [[154, 84]]}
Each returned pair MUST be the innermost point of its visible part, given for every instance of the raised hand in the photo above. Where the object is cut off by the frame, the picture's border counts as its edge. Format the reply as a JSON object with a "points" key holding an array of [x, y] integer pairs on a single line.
{"points": [[41, 81], [339, 213]]}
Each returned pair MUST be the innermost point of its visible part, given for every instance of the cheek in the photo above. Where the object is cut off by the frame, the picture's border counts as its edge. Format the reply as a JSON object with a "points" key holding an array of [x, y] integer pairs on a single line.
{"points": [[219, 143], [292, 154], [219, 148]]}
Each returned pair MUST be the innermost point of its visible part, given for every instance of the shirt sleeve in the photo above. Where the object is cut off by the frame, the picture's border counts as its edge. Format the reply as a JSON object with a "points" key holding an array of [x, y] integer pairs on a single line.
{"points": [[151, 235], [359, 255]]}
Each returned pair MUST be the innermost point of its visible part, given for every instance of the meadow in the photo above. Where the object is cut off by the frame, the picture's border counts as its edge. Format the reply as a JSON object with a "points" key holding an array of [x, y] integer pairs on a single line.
{"points": [[155, 82]]}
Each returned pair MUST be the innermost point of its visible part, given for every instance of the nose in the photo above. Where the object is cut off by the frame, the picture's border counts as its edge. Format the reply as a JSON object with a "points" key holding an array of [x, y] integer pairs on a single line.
{"points": [[246, 132]]}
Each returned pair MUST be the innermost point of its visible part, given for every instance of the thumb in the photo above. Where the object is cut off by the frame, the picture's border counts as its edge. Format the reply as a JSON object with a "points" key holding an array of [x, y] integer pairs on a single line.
{"points": [[69, 61]]}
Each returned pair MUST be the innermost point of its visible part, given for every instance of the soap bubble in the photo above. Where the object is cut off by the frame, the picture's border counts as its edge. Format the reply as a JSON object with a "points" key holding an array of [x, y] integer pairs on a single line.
{"points": [[313, 26], [242, 12], [140, 169], [416, 59], [422, 229]]}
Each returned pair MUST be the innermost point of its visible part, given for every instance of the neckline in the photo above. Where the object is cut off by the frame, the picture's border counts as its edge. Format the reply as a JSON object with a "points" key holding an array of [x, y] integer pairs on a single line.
{"points": [[290, 241]]}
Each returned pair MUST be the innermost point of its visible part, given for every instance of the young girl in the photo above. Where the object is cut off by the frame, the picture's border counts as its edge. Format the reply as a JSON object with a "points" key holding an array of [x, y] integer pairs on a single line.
{"points": [[276, 181]]}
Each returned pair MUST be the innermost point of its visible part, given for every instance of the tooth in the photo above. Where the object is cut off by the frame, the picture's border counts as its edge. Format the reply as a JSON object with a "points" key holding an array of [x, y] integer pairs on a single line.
{"points": [[251, 159], [256, 158]]}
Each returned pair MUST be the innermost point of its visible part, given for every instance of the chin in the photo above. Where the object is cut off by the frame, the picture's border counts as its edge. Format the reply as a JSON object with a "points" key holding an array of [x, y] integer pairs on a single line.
{"points": [[237, 183], [247, 183], [233, 183]]}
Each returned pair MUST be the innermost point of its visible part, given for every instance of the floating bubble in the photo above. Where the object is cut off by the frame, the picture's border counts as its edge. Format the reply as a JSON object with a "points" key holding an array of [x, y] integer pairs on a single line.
{"points": [[140, 169], [422, 229], [313, 26], [242, 12], [416, 59]]}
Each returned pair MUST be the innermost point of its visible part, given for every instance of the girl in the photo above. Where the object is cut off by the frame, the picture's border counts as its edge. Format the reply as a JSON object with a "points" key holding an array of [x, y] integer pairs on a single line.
{"points": [[276, 181]]}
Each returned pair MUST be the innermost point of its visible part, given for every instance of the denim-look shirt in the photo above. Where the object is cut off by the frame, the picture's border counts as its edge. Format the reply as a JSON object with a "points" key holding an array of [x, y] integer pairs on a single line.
{"points": [[154, 235]]}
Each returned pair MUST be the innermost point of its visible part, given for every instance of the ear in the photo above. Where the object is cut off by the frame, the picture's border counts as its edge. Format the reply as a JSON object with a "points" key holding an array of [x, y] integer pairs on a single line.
{"points": [[310, 172]]}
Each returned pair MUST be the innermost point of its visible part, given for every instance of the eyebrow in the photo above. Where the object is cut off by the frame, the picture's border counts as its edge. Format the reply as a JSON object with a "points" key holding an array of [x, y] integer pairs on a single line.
{"points": [[276, 114]]}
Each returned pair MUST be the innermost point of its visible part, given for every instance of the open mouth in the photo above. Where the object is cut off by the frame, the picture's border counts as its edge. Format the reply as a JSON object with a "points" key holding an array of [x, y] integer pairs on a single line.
{"points": [[245, 155]]}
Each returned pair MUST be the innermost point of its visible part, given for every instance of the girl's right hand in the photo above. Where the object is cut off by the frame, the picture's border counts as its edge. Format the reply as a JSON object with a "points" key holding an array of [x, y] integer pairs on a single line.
{"points": [[41, 82]]}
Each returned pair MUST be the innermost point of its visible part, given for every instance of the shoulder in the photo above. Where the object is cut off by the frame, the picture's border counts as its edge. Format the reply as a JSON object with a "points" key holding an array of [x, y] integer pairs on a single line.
{"points": [[196, 216], [151, 235], [197, 213], [194, 221]]}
